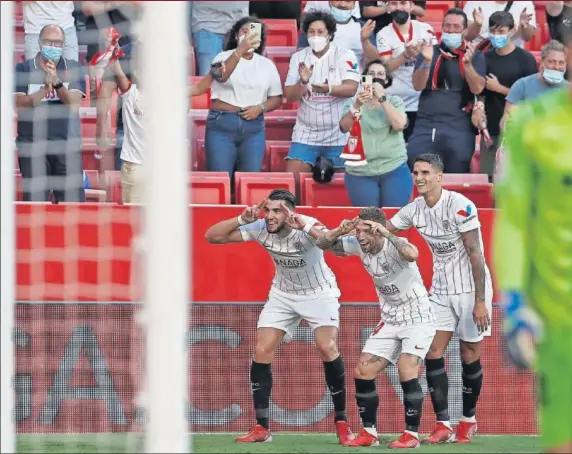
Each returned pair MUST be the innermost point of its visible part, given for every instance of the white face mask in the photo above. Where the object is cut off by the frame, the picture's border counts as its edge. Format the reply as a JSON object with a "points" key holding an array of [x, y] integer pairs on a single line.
{"points": [[318, 43]]}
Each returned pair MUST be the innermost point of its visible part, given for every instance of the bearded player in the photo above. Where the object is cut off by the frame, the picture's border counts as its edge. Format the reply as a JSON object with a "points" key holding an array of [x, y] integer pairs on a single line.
{"points": [[534, 265], [461, 290], [304, 288], [406, 330]]}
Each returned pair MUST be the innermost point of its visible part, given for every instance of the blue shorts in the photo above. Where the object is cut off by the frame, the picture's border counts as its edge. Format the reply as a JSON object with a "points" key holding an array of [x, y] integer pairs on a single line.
{"points": [[310, 153]]}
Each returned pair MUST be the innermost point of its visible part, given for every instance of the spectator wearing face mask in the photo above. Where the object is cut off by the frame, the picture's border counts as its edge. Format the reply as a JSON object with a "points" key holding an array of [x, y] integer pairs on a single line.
{"points": [[248, 87], [380, 12], [376, 168], [399, 45], [321, 77], [449, 74], [505, 64], [551, 76]]}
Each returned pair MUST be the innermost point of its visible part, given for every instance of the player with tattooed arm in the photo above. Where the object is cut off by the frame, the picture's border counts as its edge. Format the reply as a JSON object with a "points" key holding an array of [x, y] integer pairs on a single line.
{"points": [[407, 326], [304, 288], [461, 290]]}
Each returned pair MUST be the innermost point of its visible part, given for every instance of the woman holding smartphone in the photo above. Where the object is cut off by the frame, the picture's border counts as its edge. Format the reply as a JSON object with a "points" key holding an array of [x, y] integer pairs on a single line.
{"points": [[383, 180], [248, 86]]}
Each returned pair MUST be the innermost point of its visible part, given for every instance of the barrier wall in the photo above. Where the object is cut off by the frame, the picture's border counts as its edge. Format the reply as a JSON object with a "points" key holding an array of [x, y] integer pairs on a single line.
{"points": [[78, 347]]}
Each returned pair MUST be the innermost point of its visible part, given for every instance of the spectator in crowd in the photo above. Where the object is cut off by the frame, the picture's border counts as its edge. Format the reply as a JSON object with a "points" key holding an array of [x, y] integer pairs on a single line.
{"points": [[321, 77], [384, 180], [48, 94], [321, 5], [348, 29], [505, 64], [399, 45], [249, 86], [39, 14], [523, 13], [450, 75], [551, 76], [276, 10], [210, 22], [380, 13], [559, 19]]}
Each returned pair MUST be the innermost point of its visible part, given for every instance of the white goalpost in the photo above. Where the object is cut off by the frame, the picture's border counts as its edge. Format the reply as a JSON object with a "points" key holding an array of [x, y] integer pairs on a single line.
{"points": [[7, 229], [166, 223]]}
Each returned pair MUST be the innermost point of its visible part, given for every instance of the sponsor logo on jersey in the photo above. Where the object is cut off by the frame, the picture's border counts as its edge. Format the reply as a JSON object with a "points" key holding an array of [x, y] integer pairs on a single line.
{"points": [[352, 65], [466, 212], [443, 248], [389, 289], [290, 263]]}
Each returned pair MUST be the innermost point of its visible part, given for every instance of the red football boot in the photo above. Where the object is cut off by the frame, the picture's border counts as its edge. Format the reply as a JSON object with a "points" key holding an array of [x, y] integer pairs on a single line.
{"points": [[441, 434], [258, 434], [464, 432], [364, 438], [344, 432], [406, 441]]}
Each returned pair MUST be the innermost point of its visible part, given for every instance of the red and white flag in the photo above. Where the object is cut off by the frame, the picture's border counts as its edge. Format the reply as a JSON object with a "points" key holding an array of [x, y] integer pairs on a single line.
{"points": [[112, 50], [354, 153]]}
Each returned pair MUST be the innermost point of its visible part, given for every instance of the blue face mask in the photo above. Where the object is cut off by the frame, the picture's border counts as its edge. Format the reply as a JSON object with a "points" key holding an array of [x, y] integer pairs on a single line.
{"points": [[552, 76], [498, 41], [52, 53], [341, 15], [452, 40]]}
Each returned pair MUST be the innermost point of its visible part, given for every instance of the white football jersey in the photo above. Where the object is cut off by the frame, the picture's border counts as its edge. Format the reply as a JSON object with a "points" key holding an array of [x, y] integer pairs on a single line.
{"points": [[442, 226], [300, 265], [132, 149], [402, 296], [319, 114], [390, 42]]}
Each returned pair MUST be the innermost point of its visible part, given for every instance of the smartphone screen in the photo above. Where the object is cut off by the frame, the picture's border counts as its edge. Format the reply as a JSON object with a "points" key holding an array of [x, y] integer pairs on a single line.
{"points": [[367, 84], [255, 29]]}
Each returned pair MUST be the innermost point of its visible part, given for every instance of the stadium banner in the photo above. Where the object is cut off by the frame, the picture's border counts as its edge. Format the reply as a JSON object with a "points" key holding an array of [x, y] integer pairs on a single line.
{"points": [[78, 370], [89, 258]]}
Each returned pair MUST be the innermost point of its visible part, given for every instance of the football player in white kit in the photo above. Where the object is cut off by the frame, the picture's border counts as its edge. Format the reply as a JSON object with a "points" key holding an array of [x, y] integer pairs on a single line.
{"points": [[406, 330], [461, 290], [304, 287]]}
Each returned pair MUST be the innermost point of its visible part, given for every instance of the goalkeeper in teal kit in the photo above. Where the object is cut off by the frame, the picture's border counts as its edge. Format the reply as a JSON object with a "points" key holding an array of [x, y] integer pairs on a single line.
{"points": [[533, 252]]}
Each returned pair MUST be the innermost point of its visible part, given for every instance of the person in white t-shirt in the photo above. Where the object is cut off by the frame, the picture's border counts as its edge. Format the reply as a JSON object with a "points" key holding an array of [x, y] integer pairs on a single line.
{"points": [[248, 87], [407, 326], [39, 14], [523, 13], [321, 77], [461, 290], [303, 288], [399, 44]]}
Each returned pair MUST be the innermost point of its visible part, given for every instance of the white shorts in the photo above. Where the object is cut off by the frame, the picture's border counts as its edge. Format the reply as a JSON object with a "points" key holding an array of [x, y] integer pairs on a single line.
{"points": [[455, 313], [390, 341], [285, 313]]}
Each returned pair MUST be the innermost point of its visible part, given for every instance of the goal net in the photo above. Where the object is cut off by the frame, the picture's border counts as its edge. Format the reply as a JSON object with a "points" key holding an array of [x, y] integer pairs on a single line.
{"points": [[84, 369]]}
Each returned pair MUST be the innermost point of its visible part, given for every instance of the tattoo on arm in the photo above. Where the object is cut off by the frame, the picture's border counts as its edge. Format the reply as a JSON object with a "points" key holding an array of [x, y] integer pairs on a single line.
{"points": [[473, 248], [336, 247], [402, 246], [328, 241]]}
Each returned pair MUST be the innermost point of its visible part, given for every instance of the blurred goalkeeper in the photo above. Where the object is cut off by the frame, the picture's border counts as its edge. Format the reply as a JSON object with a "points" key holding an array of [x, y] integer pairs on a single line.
{"points": [[533, 239], [304, 288]]}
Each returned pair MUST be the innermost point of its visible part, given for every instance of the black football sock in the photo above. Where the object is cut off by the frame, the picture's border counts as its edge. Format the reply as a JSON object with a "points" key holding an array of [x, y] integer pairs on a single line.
{"points": [[472, 383], [413, 403], [335, 379], [367, 401], [438, 383], [261, 384]]}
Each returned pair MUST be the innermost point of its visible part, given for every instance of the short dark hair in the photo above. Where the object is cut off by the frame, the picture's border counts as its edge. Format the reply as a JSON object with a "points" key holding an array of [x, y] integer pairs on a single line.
{"points": [[501, 19], [286, 196], [374, 214], [457, 12], [315, 15], [230, 41], [434, 160]]}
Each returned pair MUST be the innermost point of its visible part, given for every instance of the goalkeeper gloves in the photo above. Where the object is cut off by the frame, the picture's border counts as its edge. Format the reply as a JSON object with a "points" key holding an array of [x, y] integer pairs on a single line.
{"points": [[522, 330]]}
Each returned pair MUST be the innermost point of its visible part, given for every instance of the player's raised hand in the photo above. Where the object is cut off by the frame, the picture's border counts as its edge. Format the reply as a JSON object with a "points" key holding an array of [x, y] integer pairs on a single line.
{"points": [[251, 214], [347, 226], [292, 219], [481, 316], [377, 228]]}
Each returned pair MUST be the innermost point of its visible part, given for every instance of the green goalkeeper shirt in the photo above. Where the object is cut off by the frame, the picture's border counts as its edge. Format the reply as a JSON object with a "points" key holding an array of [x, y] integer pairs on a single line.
{"points": [[533, 231]]}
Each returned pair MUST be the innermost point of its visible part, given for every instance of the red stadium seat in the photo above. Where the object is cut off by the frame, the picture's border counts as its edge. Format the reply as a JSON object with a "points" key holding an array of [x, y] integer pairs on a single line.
{"points": [[277, 151], [203, 101], [18, 11], [93, 177], [436, 10], [281, 58], [88, 118], [19, 53], [19, 188], [95, 196], [209, 188], [480, 194], [198, 157], [281, 32], [19, 35], [251, 188], [112, 185], [331, 194], [476, 162], [436, 28], [541, 37], [279, 124]]}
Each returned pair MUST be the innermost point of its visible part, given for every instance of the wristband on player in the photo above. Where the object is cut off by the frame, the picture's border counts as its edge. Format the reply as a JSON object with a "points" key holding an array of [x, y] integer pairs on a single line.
{"points": [[329, 89], [424, 66], [240, 220], [307, 228]]}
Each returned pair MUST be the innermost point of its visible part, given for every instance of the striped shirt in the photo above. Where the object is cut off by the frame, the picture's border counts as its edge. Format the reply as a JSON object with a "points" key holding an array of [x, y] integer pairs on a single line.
{"points": [[441, 226], [402, 296], [319, 114], [300, 265]]}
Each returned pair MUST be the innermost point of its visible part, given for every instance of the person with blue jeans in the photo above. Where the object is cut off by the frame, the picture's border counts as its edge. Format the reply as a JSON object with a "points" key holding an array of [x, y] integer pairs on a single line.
{"points": [[382, 177], [210, 21], [247, 85]]}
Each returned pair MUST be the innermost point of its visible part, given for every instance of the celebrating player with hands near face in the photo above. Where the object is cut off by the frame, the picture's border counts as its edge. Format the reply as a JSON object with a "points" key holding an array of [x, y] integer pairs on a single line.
{"points": [[406, 330], [461, 290], [303, 287]]}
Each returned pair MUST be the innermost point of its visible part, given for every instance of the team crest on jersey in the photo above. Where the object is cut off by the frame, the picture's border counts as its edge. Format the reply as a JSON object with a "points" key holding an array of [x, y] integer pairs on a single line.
{"points": [[446, 224], [332, 69], [298, 246], [385, 268]]}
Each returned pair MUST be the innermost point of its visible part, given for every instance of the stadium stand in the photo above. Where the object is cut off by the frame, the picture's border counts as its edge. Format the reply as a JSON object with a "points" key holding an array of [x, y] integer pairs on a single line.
{"points": [[250, 188]]}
